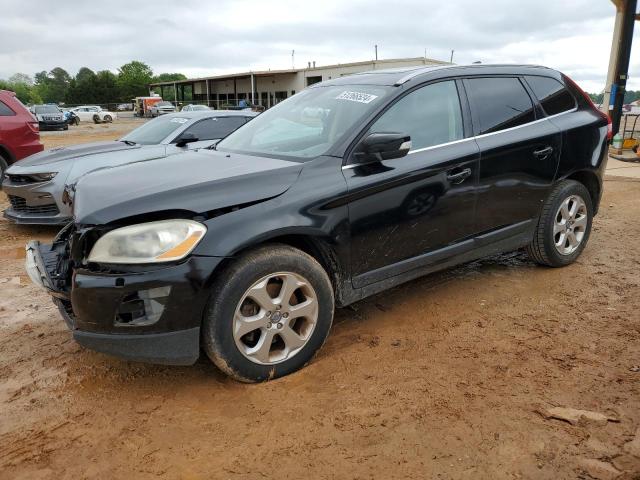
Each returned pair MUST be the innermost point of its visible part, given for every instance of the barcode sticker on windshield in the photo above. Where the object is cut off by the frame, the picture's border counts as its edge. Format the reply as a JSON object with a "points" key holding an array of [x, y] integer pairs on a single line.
{"points": [[357, 97]]}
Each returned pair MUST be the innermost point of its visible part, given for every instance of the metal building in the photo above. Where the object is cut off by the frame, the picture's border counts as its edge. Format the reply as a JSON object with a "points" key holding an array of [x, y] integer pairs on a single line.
{"points": [[268, 87]]}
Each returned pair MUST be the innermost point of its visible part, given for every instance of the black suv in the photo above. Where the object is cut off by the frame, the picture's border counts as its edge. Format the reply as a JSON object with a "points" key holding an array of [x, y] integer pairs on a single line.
{"points": [[348, 188]]}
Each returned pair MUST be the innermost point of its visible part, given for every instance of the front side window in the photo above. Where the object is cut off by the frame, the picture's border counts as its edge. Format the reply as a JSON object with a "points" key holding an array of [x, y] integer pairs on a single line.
{"points": [[431, 115], [214, 128], [308, 124], [553, 96], [499, 103], [5, 111]]}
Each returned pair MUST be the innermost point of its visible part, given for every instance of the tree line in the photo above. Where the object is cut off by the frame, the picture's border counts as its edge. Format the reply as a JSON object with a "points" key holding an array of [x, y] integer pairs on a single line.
{"points": [[87, 86]]}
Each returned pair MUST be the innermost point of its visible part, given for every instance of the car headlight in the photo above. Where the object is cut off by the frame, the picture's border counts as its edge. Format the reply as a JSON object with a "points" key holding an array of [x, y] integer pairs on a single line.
{"points": [[152, 242], [42, 177]]}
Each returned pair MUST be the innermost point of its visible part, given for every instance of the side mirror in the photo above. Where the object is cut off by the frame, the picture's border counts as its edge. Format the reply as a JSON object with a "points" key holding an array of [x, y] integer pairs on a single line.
{"points": [[186, 138], [376, 147]]}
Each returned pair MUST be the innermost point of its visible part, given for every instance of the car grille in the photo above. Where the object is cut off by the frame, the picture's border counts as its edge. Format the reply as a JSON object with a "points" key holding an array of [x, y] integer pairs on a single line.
{"points": [[19, 204]]}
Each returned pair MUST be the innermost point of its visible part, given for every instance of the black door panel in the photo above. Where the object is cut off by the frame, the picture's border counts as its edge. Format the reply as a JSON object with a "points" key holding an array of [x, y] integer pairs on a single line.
{"points": [[517, 169], [519, 155], [402, 208]]}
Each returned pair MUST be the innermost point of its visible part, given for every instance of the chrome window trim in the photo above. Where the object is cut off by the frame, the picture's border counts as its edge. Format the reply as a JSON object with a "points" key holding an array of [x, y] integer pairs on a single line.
{"points": [[453, 142]]}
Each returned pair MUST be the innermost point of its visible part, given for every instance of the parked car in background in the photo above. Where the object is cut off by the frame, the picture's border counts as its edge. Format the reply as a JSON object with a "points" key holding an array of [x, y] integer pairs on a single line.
{"points": [[123, 107], [194, 108], [50, 117], [317, 202], [94, 113], [162, 108], [36, 186], [19, 131]]}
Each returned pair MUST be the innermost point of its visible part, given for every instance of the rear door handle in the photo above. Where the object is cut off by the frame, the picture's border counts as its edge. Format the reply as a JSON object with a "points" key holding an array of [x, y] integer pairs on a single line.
{"points": [[458, 176], [543, 153]]}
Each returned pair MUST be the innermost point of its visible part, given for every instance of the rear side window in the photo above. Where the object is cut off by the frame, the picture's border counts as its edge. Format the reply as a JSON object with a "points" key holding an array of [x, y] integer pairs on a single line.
{"points": [[5, 111], [430, 115], [499, 103], [553, 96], [216, 127]]}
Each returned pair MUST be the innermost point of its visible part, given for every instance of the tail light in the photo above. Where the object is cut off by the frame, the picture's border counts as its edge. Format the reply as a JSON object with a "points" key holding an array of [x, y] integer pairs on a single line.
{"points": [[34, 126], [587, 98]]}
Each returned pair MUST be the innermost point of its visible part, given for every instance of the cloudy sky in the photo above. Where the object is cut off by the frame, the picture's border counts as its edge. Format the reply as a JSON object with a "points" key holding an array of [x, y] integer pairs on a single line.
{"points": [[200, 38]]}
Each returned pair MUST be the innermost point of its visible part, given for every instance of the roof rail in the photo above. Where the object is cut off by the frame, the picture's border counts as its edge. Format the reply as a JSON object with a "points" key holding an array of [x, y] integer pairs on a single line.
{"points": [[426, 69]]}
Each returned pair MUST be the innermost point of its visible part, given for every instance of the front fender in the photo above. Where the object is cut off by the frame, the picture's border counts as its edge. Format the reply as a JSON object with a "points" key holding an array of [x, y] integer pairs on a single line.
{"points": [[311, 207]]}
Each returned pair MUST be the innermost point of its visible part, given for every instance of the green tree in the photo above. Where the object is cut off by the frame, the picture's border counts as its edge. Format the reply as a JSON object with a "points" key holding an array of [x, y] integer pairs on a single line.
{"points": [[53, 86], [106, 87], [82, 87], [133, 79], [169, 77]]}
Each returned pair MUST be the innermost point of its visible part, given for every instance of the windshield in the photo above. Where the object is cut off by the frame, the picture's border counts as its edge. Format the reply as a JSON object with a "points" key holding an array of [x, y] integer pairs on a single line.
{"points": [[156, 130], [165, 104], [307, 124], [40, 109]]}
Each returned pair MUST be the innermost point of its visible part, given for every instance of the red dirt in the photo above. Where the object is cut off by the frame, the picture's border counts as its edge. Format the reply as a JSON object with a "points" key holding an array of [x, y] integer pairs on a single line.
{"points": [[439, 378]]}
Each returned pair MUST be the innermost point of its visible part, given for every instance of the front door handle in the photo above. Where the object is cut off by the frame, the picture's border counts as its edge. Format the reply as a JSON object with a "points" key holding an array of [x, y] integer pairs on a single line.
{"points": [[544, 153], [458, 176]]}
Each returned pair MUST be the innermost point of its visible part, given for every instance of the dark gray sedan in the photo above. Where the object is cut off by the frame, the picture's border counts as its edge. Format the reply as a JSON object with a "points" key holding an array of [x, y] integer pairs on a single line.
{"points": [[36, 185]]}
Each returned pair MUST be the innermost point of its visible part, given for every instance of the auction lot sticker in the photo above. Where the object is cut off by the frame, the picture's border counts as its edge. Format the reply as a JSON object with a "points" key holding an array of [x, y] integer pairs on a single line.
{"points": [[357, 97]]}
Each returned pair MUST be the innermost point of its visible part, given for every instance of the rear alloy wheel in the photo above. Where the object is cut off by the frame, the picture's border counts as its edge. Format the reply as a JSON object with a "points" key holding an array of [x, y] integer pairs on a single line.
{"points": [[269, 313], [96, 119], [564, 225]]}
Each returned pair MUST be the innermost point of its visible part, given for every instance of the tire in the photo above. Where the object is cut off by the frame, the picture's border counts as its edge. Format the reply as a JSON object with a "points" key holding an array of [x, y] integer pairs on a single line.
{"points": [[108, 119], [554, 241], [259, 271], [96, 119], [3, 167], [66, 127]]}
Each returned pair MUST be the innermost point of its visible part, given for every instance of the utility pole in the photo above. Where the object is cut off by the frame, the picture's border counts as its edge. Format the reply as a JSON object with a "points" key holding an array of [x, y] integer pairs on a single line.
{"points": [[293, 61], [619, 60]]}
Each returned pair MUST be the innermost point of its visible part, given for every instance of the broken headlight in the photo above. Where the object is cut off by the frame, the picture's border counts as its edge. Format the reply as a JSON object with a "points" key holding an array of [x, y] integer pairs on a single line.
{"points": [[153, 242]]}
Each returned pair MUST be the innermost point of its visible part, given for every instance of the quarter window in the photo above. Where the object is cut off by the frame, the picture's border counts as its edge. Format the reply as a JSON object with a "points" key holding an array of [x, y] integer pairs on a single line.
{"points": [[5, 111], [553, 96], [431, 115], [499, 103]]}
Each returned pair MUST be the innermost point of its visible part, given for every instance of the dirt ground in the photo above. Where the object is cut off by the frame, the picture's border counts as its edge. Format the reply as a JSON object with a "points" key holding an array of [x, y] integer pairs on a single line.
{"points": [[440, 378]]}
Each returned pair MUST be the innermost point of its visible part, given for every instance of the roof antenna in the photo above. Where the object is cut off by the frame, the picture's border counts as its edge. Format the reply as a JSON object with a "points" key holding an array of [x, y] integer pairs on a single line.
{"points": [[293, 62], [451, 59], [376, 47]]}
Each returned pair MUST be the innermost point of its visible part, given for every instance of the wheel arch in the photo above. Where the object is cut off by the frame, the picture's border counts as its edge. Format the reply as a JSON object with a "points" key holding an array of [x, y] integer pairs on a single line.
{"points": [[323, 250], [590, 180], [7, 155]]}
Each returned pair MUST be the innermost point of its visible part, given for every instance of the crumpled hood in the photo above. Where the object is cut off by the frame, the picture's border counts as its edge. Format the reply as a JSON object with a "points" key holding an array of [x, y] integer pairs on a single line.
{"points": [[197, 181], [64, 153]]}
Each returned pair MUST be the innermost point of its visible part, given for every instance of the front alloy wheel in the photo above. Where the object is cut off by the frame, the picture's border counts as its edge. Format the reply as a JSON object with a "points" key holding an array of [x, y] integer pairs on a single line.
{"points": [[269, 312], [275, 318]]}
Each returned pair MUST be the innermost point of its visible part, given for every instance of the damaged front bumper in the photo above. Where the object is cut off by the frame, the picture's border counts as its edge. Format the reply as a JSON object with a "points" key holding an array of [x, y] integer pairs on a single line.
{"points": [[150, 316]]}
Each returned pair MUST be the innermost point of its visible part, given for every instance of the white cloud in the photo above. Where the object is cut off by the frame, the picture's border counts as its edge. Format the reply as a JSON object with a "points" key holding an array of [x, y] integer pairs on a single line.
{"points": [[203, 38]]}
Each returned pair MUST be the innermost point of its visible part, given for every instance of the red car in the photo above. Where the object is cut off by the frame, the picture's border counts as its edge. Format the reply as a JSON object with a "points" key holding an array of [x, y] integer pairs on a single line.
{"points": [[19, 131]]}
